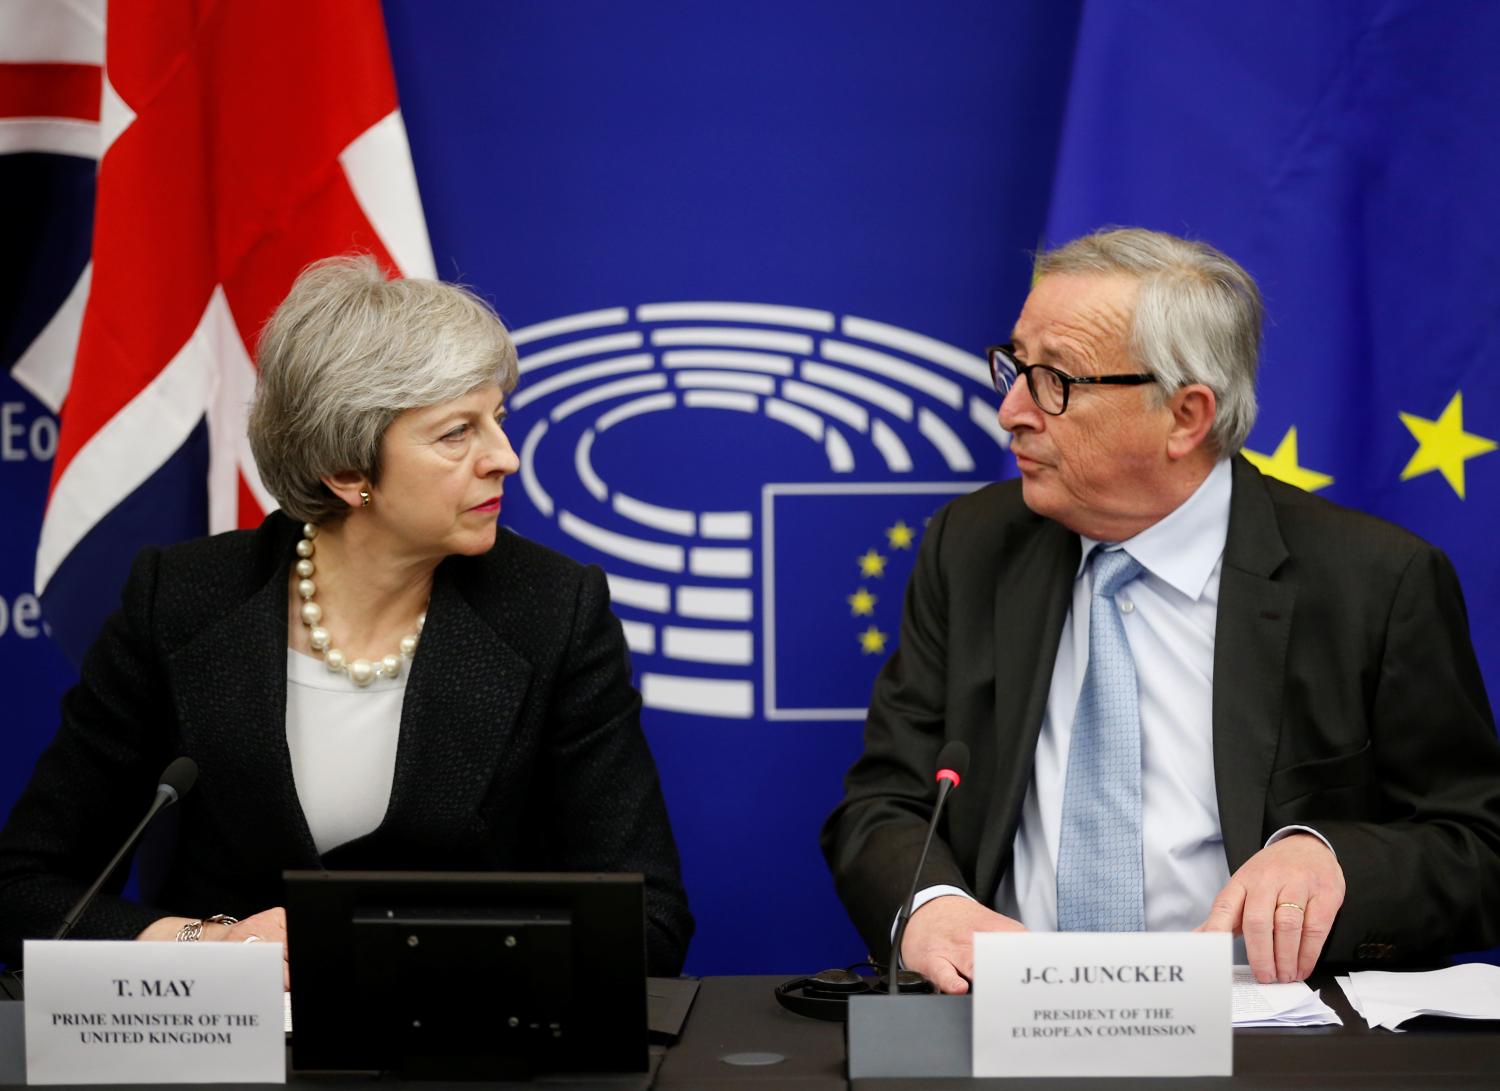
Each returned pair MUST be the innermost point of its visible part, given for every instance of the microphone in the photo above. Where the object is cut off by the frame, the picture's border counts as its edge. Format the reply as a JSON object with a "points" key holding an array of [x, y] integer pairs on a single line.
{"points": [[953, 764], [176, 780]]}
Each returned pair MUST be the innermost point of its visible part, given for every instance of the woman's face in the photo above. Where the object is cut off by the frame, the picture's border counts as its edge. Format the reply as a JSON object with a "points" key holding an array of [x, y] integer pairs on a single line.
{"points": [[442, 470]]}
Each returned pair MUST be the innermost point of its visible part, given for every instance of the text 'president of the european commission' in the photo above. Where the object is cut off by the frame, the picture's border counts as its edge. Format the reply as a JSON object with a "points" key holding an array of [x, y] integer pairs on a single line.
{"points": [[1195, 697], [375, 678]]}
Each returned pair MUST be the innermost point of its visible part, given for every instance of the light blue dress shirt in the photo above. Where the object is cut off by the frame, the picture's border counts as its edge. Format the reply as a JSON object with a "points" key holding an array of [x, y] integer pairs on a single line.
{"points": [[1169, 612]]}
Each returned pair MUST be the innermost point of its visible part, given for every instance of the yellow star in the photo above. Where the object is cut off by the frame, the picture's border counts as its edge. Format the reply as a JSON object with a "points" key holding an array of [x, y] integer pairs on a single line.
{"points": [[900, 536], [871, 564], [1443, 444], [862, 603], [1282, 465], [872, 641]]}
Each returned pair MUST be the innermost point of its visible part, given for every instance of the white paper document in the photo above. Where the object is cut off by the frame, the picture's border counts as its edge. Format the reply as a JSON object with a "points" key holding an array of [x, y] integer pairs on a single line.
{"points": [[1387, 999], [1276, 1005]]}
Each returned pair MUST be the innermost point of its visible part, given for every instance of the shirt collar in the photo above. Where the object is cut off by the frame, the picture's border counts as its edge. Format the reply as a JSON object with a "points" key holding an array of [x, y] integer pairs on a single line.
{"points": [[1183, 548]]}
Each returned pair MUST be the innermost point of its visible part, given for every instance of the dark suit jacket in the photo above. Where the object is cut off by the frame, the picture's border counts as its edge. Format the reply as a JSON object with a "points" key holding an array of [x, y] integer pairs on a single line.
{"points": [[520, 745], [1346, 697]]}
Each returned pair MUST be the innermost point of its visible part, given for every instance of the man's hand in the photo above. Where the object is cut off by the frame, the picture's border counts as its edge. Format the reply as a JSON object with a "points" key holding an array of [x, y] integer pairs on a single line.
{"points": [[1284, 900], [939, 940]]}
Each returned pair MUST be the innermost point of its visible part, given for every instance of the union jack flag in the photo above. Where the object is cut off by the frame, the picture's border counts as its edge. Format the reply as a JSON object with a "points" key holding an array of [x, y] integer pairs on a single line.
{"points": [[51, 59], [236, 142]]}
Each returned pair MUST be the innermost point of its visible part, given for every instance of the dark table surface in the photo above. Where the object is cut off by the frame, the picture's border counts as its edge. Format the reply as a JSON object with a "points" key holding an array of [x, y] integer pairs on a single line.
{"points": [[737, 1037], [739, 1015]]}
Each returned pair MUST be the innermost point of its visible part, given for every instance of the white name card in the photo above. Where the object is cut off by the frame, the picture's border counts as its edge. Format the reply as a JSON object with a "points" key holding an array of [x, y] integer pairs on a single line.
{"points": [[128, 1012], [1102, 1004]]}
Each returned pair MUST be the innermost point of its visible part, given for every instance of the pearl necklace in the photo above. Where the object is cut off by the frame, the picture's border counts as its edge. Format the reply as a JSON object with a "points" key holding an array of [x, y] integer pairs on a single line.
{"points": [[361, 672]]}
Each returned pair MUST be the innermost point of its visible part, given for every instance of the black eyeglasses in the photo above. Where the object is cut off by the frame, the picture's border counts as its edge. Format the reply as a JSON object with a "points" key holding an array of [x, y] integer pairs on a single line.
{"points": [[1049, 386]]}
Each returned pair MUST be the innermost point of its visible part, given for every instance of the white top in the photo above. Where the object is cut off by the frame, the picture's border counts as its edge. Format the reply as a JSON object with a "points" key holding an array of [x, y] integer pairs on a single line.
{"points": [[343, 743], [1169, 613]]}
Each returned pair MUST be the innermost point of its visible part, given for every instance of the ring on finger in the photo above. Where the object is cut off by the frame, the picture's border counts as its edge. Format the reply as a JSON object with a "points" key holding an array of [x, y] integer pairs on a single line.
{"points": [[1290, 905], [251, 939]]}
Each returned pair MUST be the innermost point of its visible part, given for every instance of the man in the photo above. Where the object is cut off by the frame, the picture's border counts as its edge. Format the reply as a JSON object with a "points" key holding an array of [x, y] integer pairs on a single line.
{"points": [[1195, 697]]}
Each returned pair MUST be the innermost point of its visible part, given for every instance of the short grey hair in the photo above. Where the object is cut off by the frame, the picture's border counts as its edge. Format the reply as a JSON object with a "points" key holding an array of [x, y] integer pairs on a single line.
{"points": [[344, 354], [1198, 317]]}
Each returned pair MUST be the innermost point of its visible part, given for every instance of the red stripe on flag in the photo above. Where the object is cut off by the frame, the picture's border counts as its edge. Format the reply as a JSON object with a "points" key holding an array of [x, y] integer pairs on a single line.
{"points": [[327, 221], [51, 90], [222, 160], [249, 513]]}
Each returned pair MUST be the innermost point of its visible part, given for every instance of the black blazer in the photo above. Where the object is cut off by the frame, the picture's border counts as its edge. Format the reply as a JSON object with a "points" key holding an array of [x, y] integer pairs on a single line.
{"points": [[520, 745], [1346, 697]]}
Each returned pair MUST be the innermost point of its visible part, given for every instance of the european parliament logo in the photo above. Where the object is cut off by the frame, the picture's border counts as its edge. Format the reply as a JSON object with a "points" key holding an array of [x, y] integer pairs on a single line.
{"points": [[755, 481]]}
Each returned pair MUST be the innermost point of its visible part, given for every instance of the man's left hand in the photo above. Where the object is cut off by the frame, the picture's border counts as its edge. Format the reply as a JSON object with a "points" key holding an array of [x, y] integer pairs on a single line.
{"points": [[1284, 900]]}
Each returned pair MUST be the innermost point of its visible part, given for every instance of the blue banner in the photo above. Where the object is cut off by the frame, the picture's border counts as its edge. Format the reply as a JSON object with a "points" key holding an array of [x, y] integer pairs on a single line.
{"points": [[752, 256], [742, 248]]}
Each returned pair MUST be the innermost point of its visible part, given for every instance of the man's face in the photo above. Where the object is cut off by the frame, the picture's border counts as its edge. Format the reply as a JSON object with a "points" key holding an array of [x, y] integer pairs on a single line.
{"points": [[1094, 468]]}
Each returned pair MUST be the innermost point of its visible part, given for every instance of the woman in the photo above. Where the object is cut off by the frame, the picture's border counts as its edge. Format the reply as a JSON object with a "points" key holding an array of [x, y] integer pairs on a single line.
{"points": [[372, 679]]}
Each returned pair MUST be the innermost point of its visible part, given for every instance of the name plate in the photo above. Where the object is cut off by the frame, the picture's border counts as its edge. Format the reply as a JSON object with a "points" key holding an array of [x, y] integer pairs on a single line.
{"points": [[128, 1012], [1102, 1004]]}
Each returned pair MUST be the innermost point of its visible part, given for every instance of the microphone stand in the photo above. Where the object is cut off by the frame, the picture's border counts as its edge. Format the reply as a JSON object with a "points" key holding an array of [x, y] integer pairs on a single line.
{"points": [[945, 785], [177, 778]]}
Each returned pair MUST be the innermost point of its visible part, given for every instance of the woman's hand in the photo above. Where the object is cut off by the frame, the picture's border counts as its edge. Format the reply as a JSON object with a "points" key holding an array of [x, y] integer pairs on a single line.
{"points": [[268, 926]]}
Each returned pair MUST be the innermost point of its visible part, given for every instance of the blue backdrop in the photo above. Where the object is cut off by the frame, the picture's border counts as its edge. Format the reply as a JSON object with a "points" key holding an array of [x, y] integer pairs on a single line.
{"points": [[855, 189]]}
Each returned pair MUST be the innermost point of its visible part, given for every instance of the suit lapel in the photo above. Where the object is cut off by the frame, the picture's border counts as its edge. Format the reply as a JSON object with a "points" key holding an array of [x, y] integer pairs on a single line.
{"points": [[465, 690], [230, 686], [1250, 647], [1032, 595], [463, 694]]}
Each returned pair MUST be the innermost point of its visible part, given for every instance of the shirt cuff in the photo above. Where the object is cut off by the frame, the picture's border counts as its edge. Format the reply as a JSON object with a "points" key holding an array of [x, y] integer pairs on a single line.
{"points": [[925, 896], [1287, 831]]}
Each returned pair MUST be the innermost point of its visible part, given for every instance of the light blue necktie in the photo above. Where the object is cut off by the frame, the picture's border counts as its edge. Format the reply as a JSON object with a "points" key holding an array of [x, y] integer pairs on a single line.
{"points": [[1099, 882]]}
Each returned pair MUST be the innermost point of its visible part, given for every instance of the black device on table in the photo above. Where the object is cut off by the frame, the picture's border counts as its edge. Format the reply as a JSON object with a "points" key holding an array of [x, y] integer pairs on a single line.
{"points": [[826, 994], [467, 975]]}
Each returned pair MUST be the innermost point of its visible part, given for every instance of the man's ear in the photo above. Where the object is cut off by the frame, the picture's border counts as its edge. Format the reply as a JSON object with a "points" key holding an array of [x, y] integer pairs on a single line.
{"points": [[347, 485], [1193, 409]]}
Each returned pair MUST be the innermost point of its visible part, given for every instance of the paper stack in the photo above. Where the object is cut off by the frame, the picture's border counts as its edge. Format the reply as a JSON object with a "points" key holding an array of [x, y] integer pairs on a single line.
{"points": [[1387, 999], [1292, 1005]]}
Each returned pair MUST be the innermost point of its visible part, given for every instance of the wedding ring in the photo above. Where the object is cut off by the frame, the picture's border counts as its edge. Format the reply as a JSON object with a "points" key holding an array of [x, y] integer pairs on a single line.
{"points": [[1290, 905], [251, 939]]}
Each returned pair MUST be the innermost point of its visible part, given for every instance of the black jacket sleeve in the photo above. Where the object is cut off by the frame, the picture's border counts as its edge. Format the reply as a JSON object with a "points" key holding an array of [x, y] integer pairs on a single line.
{"points": [[91, 785], [1415, 815], [613, 815]]}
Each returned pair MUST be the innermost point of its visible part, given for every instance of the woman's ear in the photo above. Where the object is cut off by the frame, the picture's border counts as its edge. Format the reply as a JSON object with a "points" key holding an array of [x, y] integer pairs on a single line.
{"points": [[350, 486]]}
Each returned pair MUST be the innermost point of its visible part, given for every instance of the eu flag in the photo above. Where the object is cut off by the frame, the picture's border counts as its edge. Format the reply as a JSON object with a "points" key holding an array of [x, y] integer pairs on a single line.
{"points": [[1345, 155], [837, 561]]}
